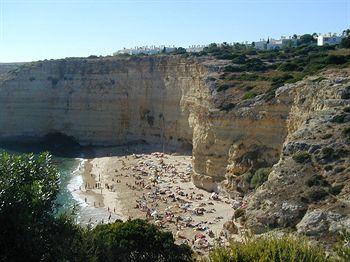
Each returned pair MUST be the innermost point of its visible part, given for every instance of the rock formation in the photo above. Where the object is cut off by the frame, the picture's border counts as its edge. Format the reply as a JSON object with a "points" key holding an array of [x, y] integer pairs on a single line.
{"points": [[302, 132]]}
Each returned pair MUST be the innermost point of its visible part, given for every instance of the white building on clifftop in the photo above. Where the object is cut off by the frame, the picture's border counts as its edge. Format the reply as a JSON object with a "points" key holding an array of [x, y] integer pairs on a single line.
{"points": [[328, 39]]}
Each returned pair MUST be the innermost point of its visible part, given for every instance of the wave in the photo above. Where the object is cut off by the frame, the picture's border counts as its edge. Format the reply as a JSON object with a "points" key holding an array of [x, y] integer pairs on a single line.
{"points": [[76, 182]]}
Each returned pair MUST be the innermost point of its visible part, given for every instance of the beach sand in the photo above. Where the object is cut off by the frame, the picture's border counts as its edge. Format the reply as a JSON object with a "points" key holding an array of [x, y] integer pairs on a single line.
{"points": [[157, 187]]}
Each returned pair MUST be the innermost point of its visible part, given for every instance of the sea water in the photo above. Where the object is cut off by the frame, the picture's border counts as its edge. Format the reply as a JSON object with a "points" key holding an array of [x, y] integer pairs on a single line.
{"points": [[70, 174], [69, 199]]}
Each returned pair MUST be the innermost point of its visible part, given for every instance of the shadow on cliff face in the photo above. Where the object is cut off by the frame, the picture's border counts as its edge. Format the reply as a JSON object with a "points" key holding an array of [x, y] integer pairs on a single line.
{"points": [[57, 144], [61, 145]]}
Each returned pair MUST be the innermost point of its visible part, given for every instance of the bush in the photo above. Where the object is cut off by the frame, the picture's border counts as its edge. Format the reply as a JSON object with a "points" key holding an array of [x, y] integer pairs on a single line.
{"points": [[326, 136], [278, 81], [223, 87], [317, 180], [228, 107], [249, 95], [289, 67], [29, 187], [241, 59], [239, 213], [134, 240], [317, 194], [342, 249], [345, 42], [231, 68], [286, 249], [338, 118], [179, 51], [302, 157], [259, 177], [335, 190], [346, 131], [248, 77], [336, 60]]}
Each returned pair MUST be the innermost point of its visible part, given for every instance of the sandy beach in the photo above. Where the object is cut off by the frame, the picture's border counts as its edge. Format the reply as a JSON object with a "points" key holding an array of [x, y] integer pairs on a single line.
{"points": [[157, 187]]}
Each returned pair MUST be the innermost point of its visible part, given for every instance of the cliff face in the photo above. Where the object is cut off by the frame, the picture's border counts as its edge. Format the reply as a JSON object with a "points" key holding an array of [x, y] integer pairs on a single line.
{"points": [[303, 131], [168, 100], [309, 186], [103, 101]]}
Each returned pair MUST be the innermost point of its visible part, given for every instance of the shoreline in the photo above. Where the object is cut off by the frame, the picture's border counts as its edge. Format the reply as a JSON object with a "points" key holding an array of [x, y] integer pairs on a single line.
{"points": [[156, 187]]}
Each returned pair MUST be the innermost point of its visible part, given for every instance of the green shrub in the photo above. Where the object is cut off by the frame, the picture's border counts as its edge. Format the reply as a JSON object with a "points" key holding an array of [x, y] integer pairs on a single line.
{"points": [[317, 194], [302, 157], [241, 59], [319, 79], [289, 67], [346, 93], [335, 190], [29, 230], [228, 107], [240, 212], [342, 248], [223, 87], [278, 81], [259, 177], [338, 119], [317, 180], [327, 152], [326, 136], [336, 59], [249, 95], [248, 77], [211, 79], [231, 68], [133, 240], [285, 249], [346, 131], [345, 42]]}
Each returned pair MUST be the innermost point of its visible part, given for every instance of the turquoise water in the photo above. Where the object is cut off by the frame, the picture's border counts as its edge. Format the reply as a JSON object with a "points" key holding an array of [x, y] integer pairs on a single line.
{"points": [[68, 167], [70, 170]]}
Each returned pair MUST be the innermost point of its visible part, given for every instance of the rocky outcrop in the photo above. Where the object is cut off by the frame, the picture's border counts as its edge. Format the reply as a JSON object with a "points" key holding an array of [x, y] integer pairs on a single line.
{"points": [[309, 186]]}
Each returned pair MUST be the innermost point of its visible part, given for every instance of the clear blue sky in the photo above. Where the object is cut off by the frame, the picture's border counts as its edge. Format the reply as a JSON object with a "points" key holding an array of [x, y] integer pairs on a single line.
{"points": [[39, 29]]}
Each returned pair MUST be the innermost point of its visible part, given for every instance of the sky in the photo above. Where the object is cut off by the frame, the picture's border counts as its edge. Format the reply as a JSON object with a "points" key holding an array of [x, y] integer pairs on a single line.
{"points": [[33, 30]]}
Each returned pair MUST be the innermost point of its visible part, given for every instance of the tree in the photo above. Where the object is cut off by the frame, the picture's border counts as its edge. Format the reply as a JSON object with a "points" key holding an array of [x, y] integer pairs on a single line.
{"points": [[134, 240], [345, 42], [179, 50], [307, 39], [29, 186]]}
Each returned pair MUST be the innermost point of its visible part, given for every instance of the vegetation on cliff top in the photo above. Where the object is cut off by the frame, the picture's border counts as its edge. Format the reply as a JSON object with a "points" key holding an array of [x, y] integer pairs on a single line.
{"points": [[250, 72]]}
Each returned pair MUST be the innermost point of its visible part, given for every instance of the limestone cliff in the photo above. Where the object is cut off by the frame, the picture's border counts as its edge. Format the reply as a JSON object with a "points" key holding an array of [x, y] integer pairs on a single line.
{"points": [[165, 99], [104, 101], [309, 187], [302, 132]]}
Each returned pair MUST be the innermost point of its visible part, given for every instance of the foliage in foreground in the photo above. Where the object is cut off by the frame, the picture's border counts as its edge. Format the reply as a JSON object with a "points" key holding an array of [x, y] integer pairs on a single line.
{"points": [[283, 249], [30, 231], [134, 240]]}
